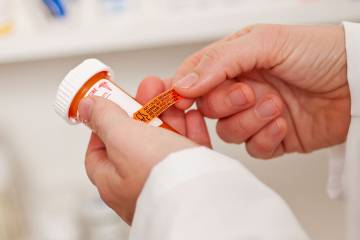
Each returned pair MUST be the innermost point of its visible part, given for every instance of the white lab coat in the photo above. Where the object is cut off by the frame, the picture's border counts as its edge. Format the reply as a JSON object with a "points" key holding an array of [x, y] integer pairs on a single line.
{"points": [[199, 194], [347, 169]]}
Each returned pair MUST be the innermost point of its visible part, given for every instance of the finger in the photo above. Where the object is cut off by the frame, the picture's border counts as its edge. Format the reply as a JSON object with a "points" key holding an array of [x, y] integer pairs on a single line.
{"points": [[190, 63], [102, 173], [240, 33], [102, 116], [196, 127], [176, 119], [267, 143], [239, 127], [124, 136], [227, 99], [95, 144], [186, 67], [95, 156], [149, 88], [184, 103], [98, 167], [221, 62], [108, 184]]}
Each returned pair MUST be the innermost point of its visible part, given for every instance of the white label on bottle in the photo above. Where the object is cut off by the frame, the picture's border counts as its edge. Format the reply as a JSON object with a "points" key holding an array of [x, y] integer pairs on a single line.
{"points": [[106, 89]]}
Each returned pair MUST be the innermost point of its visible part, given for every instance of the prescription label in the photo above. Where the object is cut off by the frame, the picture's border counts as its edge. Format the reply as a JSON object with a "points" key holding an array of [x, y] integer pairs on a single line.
{"points": [[106, 89], [157, 106]]}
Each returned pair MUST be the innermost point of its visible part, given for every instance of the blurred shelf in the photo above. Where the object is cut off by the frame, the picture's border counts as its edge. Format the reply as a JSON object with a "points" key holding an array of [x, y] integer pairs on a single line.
{"points": [[147, 32]]}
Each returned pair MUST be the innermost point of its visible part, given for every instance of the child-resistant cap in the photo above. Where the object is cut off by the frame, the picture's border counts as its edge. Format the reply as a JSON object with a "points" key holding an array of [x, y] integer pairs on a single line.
{"points": [[73, 82]]}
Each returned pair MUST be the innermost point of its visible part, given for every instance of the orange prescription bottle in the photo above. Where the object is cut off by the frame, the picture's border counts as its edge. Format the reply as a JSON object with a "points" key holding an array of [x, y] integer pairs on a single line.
{"points": [[94, 78]]}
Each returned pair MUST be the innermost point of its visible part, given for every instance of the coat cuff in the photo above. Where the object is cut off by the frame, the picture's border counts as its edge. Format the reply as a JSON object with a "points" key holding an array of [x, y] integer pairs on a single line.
{"points": [[194, 163], [352, 32], [337, 153]]}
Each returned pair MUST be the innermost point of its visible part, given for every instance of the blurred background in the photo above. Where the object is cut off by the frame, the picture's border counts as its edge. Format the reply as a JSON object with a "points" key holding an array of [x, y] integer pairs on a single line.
{"points": [[44, 191]]}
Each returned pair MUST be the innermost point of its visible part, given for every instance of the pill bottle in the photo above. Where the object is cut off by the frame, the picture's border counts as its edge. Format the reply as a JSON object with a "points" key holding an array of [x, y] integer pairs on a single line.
{"points": [[94, 78]]}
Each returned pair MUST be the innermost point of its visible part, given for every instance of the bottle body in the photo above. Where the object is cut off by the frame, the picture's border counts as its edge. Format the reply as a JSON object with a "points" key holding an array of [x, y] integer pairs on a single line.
{"points": [[101, 85]]}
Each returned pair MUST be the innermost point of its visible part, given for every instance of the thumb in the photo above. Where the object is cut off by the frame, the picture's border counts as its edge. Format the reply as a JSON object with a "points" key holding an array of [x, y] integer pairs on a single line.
{"points": [[102, 116], [223, 61]]}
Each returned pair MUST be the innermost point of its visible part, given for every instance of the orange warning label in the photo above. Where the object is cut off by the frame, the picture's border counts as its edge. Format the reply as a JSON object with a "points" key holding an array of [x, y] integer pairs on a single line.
{"points": [[157, 106]]}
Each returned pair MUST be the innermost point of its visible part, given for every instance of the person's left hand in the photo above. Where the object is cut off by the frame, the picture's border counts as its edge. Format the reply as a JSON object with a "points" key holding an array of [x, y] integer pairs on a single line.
{"points": [[277, 88], [123, 151]]}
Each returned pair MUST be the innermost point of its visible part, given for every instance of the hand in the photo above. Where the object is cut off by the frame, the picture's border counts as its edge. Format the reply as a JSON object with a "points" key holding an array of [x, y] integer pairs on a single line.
{"points": [[278, 88], [123, 151]]}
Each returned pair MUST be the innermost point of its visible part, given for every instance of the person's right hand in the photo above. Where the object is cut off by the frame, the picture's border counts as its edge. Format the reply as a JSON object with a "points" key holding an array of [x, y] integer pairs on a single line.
{"points": [[122, 152], [278, 88]]}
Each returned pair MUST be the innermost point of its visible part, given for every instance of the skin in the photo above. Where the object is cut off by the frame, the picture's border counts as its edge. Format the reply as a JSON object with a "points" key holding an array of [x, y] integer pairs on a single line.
{"points": [[277, 88], [299, 70], [118, 167]]}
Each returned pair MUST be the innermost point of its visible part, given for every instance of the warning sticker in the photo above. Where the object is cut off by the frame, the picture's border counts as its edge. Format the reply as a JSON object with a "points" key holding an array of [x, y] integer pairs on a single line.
{"points": [[157, 106]]}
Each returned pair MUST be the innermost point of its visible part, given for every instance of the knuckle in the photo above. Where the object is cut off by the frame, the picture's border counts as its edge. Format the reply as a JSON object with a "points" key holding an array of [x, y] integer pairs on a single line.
{"points": [[221, 131], [279, 104], [213, 54], [188, 65], [185, 67], [259, 150], [97, 112], [240, 129], [89, 173], [239, 34], [192, 61], [264, 148], [255, 26], [113, 138], [266, 27], [260, 156], [212, 104], [274, 38], [88, 164], [99, 117], [258, 27], [230, 133], [106, 196], [90, 168]]}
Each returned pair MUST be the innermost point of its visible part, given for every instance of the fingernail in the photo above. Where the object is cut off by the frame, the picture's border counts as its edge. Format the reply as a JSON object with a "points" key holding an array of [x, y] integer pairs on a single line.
{"points": [[237, 98], [84, 109], [188, 81], [267, 109]]}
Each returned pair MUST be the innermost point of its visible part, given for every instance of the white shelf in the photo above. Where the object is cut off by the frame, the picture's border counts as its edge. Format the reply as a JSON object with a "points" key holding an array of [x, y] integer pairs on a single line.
{"points": [[147, 32]]}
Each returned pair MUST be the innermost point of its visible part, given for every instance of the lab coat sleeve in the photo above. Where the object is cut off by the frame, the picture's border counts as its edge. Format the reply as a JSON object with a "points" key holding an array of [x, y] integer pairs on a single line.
{"points": [[352, 32], [344, 177], [200, 194], [339, 155], [352, 151]]}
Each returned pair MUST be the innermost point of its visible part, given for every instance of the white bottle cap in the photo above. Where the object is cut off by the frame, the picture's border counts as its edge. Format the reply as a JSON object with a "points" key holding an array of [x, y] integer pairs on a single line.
{"points": [[73, 82]]}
